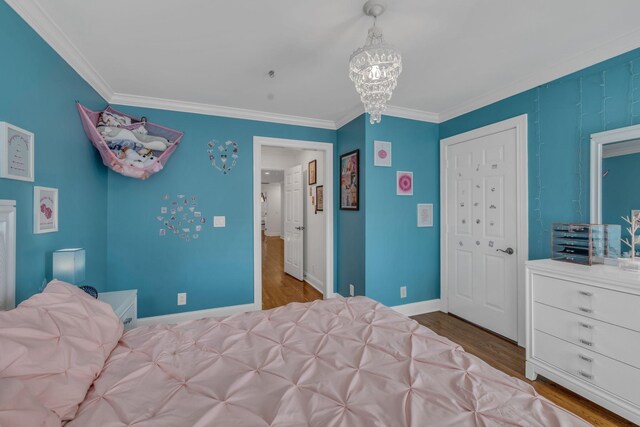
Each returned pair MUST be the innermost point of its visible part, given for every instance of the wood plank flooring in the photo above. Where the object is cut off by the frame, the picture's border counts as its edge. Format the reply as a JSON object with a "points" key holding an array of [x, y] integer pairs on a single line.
{"points": [[508, 357], [279, 288]]}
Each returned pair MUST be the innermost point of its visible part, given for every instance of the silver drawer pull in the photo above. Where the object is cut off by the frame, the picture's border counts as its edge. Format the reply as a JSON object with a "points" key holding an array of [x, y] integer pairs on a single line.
{"points": [[585, 309], [586, 325], [586, 375], [585, 293], [585, 342], [585, 358], [127, 320]]}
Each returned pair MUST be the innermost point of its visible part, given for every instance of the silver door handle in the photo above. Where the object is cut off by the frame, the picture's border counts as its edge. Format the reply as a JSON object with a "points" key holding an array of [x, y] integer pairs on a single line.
{"points": [[300, 228], [508, 251]]}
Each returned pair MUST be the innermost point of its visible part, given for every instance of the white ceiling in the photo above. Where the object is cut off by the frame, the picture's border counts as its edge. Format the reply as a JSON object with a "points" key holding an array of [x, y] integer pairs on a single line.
{"points": [[270, 176], [212, 54]]}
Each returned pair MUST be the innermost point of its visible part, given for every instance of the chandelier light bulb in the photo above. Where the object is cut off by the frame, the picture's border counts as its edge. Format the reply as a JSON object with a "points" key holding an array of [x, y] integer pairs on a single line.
{"points": [[374, 74]]}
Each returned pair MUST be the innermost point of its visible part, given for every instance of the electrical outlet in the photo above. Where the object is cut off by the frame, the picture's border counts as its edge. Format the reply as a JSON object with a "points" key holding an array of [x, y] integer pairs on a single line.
{"points": [[182, 298], [403, 291], [352, 290]]}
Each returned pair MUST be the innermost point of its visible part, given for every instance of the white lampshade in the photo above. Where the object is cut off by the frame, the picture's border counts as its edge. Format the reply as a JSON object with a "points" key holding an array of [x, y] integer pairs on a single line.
{"points": [[68, 265]]}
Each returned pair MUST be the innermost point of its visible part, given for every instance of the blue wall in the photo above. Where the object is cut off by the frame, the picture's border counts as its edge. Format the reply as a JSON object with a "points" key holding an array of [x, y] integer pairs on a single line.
{"points": [[114, 217], [215, 270], [37, 93], [398, 253], [351, 224], [562, 115], [620, 194]]}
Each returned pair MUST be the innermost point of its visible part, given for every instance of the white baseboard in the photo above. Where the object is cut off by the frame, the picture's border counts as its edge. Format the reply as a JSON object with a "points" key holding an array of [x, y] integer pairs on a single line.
{"points": [[272, 234], [198, 314], [314, 282], [420, 307]]}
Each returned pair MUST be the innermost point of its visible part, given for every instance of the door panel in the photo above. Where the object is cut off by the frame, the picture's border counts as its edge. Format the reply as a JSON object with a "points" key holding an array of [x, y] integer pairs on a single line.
{"points": [[294, 223], [481, 191]]}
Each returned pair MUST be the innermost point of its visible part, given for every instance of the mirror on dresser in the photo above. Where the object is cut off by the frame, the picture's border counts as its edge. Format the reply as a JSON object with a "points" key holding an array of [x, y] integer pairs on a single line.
{"points": [[615, 160]]}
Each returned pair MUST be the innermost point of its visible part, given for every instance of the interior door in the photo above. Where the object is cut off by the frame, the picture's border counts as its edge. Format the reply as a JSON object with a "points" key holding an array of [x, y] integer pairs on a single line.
{"points": [[293, 222], [481, 231]]}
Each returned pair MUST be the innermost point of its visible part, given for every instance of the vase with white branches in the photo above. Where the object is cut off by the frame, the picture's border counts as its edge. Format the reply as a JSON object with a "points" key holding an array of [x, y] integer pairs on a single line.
{"points": [[631, 263], [632, 229]]}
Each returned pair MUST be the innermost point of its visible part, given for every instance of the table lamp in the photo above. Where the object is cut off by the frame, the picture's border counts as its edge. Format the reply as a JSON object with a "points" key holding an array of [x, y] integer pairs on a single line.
{"points": [[68, 265]]}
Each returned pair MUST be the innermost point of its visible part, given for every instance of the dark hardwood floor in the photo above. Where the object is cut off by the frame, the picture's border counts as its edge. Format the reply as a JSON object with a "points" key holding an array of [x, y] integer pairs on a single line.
{"points": [[279, 288], [508, 357]]}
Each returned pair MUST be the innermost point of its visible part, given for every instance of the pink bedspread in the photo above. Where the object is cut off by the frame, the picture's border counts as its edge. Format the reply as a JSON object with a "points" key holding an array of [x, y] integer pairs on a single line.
{"points": [[350, 362]]}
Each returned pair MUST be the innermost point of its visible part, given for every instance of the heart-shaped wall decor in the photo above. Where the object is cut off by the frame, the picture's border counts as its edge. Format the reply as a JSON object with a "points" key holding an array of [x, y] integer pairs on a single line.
{"points": [[223, 156]]}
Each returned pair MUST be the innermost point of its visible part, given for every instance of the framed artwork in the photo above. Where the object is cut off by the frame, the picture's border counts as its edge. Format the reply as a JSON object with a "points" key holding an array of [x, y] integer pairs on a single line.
{"points": [[319, 198], [382, 153], [45, 210], [16, 153], [425, 215], [313, 173], [349, 181], [404, 183]]}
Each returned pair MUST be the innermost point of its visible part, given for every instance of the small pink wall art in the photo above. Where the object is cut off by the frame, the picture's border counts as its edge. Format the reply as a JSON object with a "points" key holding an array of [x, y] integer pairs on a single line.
{"points": [[382, 153], [45, 210], [404, 183]]}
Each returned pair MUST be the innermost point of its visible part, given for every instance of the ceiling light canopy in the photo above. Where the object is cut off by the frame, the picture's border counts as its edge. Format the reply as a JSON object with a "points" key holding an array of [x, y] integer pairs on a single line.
{"points": [[375, 67]]}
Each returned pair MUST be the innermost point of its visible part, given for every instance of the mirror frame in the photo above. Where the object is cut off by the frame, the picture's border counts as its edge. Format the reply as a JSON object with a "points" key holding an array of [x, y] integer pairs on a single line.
{"points": [[599, 139]]}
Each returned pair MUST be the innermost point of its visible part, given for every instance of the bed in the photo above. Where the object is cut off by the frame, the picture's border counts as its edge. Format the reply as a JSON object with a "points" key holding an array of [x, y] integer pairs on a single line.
{"points": [[339, 362]]}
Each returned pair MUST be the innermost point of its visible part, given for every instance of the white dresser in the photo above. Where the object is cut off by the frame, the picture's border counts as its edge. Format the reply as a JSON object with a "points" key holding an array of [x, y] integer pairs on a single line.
{"points": [[583, 331]]}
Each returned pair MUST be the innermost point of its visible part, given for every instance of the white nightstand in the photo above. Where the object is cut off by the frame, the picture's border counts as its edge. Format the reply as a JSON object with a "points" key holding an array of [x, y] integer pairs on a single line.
{"points": [[124, 304]]}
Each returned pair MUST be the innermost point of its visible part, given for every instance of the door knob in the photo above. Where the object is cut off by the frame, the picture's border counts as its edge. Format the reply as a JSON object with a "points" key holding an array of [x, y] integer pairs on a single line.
{"points": [[509, 251], [300, 228]]}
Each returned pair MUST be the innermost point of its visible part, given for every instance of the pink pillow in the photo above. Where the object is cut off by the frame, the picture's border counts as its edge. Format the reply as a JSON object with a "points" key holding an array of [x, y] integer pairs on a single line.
{"points": [[56, 344]]}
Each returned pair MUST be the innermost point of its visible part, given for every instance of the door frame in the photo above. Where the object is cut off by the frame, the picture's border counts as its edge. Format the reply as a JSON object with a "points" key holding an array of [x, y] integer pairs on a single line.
{"points": [[518, 123], [327, 148], [8, 216]]}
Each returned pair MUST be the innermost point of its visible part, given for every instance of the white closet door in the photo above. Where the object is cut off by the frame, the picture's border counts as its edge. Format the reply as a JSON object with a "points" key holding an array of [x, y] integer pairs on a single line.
{"points": [[482, 231]]}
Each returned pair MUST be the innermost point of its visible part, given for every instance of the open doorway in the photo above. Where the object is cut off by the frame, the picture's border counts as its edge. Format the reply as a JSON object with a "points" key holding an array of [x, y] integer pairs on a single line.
{"points": [[293, 259]]}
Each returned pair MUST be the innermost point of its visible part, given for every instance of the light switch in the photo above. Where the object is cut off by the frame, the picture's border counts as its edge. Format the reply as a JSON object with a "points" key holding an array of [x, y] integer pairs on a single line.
{"points": [[219, 221]]}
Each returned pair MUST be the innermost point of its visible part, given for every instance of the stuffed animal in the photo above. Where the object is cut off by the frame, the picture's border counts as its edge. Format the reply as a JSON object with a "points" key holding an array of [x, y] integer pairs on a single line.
{"points": [[135, 159], [155, 143], [111, 119], [121, 143]]}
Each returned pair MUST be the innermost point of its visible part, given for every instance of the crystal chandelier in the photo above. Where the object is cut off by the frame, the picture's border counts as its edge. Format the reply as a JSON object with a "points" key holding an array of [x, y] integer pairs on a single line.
{"points": [[375, 67]]}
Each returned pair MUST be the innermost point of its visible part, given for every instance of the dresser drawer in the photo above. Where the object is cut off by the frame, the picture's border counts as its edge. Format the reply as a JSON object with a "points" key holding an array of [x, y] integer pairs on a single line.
{"points": [[614, 307], [593, 368], [614, 341]]}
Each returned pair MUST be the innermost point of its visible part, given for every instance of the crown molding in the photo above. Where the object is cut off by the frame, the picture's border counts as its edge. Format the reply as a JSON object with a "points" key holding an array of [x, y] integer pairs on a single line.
{"points": [[412, 114], [38, 19], [218, 110], [352, 114], [393, 111], [623, 44]]}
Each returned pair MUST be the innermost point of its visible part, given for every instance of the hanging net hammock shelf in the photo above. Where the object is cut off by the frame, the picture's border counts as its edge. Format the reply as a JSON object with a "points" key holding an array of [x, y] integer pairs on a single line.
{"points": [[129, 145]]}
